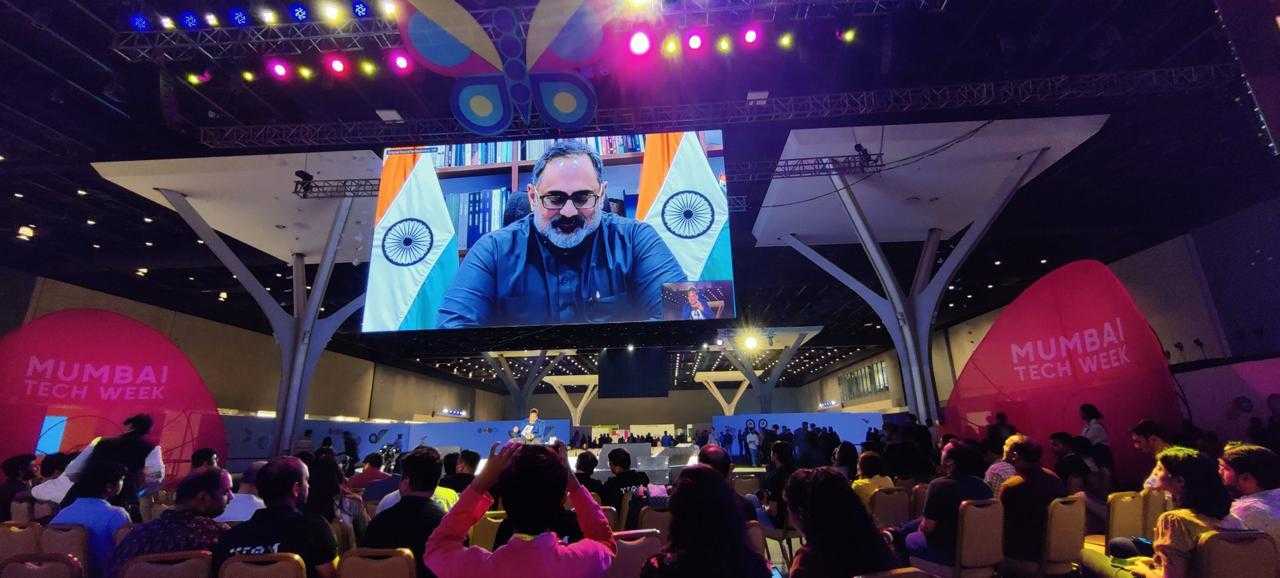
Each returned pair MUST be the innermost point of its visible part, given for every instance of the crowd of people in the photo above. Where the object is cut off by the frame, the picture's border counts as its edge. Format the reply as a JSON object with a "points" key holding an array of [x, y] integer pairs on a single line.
{"points": [[555, 524]]}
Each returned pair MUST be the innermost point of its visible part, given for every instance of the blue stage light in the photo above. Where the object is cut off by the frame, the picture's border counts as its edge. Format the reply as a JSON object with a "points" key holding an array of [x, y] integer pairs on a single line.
{"points": [[140, 23], [359, 8], [299, 12], [189, 20], [239, 17]]}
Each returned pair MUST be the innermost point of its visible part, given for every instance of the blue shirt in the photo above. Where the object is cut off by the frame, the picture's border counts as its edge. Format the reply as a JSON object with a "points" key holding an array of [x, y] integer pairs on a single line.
{"points": [[513, 276], [100, 520]]}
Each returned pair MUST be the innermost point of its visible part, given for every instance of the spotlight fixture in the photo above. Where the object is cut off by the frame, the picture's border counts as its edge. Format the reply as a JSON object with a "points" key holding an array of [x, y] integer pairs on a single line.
{"points": [[248, 76], [189, 20], [222, 296], [724, 45], [848, 35], [786, 40], [299, 11], [239, 17], [695, 41], [751, 35], [278, 69], [331, 13], [148, 220], [368, 68], [211, 19], [639, 43], [359, 8], [336, 64], [631, 347], [268, 16], [305, 72], [193, 79], [991, 286], [26, 232], [148, 243], [751, 342], [141, 271], [90, 222], [139, 22], [166, 23], [388, 8], [671, 46], [400, 63], [97, 246]]}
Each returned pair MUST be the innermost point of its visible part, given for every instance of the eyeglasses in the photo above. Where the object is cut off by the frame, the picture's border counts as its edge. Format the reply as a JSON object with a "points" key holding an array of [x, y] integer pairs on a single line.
{"points": [[581, 200]]}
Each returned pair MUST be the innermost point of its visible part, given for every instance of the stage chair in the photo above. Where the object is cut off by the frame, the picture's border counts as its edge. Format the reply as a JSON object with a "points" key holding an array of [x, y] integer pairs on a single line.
{"points": [[1124, 518], [263, 566], [611, 514], [624, 508], [371, 508], [1063, 542], [20, 512], [898, 573], [1154, 503], [19, 538], [380, 562], [979, 544], [485, 532], [122, 533], [755, 538], [41, 566], [746, 486], [42, 510], [65, 539], [1236, 553], [918, 494], [634, 549], [184, 564], [783, 537], [890, 506], [596, 497], [657, 520]]}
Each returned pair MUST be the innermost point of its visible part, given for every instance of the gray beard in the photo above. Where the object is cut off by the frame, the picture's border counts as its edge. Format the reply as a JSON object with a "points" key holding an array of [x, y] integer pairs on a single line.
{"points": [[567, 240]]}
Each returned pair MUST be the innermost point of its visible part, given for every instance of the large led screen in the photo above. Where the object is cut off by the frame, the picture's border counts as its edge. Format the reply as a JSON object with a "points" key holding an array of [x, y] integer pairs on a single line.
{"points": [[549, 232]]}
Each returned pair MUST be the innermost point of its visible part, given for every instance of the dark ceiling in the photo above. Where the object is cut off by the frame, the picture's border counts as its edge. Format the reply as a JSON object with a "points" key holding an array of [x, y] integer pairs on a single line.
{"points": [[1161, 165]]}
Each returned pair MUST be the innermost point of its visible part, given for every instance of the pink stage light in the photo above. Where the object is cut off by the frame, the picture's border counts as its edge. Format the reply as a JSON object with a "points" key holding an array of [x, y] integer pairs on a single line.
{"points": [[278, 69], [750, 36], [695, 41], [337, 65], [399, 62], [639, 43]]}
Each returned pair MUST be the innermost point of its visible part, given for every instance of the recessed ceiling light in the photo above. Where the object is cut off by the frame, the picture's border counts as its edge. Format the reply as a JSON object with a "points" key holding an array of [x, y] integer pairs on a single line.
{"points": [[951, 305], [141, 272], [148, 243], [82, 192], [991, 286], [90, 222], [951, 287], [997, 263], [191, 278], [17, 195], [201, 241], [968, 296], [1043, 261], [147, 219], [222, 296], [279, 275]]}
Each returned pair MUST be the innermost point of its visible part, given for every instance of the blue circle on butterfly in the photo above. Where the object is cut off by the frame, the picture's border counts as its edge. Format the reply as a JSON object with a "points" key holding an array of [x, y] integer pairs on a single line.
{"points": [[407, 242], [688, 214]]}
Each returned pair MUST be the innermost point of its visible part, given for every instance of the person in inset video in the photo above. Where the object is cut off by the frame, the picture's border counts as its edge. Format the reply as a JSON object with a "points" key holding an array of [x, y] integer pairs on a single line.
{"points": [[566, 262], [695, 307]]}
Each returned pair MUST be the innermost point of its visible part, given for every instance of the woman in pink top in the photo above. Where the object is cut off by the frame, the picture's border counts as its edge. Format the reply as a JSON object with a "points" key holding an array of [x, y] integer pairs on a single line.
{"points": [[532, 480]]}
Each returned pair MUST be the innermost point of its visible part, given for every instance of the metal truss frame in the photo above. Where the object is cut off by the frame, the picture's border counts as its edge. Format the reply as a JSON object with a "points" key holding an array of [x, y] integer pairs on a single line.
{"points": [[292, 38], [711, 115]]}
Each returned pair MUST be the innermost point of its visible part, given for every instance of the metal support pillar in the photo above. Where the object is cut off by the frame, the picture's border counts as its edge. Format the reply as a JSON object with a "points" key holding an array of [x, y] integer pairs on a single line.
{"points": [[764, 387], [576, 409], [908, 316], [728, 406], [302, 336], [521, 395]]}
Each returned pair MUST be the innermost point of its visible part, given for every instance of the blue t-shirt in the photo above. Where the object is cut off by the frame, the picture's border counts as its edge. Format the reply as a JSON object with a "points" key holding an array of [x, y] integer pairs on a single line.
{"points": [[100, 520]]}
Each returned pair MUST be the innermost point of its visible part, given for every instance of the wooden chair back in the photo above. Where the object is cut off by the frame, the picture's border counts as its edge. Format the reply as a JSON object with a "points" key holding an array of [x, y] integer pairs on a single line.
{"points": [[611, 514], [980, 540], [755, 537], [918, 493], [1154, 503], [634, 549], [1235, 553], [380, 562], [890, 506], [19, 538], [1124, 515], [485, 532], [651, 519], [263, 566], [66, 539], [1064, 535], [184, 564], [41, 566]]}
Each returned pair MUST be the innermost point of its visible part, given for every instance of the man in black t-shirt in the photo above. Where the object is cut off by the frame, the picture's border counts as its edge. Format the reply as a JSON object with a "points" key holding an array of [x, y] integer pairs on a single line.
{"points": [[624, 478], [410, 522], [935, 535], [468, 463], [282, 526]]}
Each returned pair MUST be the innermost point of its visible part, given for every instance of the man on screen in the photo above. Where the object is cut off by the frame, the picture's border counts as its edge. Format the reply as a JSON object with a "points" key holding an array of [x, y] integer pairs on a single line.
{"points": [[566, 262], [695, 308]]}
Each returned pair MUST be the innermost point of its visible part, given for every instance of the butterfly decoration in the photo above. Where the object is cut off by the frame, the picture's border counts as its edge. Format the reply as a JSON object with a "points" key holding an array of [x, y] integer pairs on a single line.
{"points": [[511, 72]]}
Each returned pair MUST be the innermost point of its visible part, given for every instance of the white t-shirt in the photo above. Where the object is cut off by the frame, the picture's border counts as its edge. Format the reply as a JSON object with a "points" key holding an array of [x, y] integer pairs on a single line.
{"points": [[241, 508], [1260, 511]]}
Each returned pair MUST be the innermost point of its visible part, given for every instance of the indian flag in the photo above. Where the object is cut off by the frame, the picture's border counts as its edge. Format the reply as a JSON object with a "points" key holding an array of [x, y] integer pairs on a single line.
{"points": [[415, 250], [681, 198]]}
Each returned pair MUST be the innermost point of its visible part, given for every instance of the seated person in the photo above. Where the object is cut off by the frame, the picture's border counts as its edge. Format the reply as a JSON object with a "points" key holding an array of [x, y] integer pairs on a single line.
{"points": [[411, 520], [370, 473], [189, 525], [841, 539], [934, 535], [1202, 505], [720, 461], [533, 480], [442, 496], [56, 483], [773, 512], [568, 261], [583, 468], [1252, 474], [99, 482], [1026, 497], [245, 500], [376, 491], [282, 526], [1002, 469], [624, 478], [872, 476], [19, 471], [708, 536], [468, 463]]}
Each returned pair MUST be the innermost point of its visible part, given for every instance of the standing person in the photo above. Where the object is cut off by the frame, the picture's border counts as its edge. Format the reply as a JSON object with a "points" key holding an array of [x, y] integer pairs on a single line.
{"points": [[1026, 497], [1093, 428], [1202, 505], [411, 521], [303, 444], [351, 449], [282, 526], [1149, 438], [708, 536], [934, 536], [326, 500], [370, 473], [131, 449], [1252, 474], [464, 472], [742, 442], [844, 458], [841, 539], [245, 500], [532, 481], [782, 463], [90, 507], [189, 525], [18, 472], [753, 445]]}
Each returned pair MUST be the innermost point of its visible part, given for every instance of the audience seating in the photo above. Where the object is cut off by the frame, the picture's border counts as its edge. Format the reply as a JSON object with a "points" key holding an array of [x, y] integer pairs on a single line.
{"points": [[611, 514], [185, 564], [122, 533], [979, 544], [19, 538], [907, 572], [746, 485], [485, 532], [634, 548], [624, 507], [755, 537], [656, 520], [918, 494], [1124, 518], [596, 497], [1063, 541], [1238, 553], [41, 566], [65, 539], [783, 536], [380, 562], [1154, 503], [42, 510], [263, 566], [20, 512], [890, 506]]}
